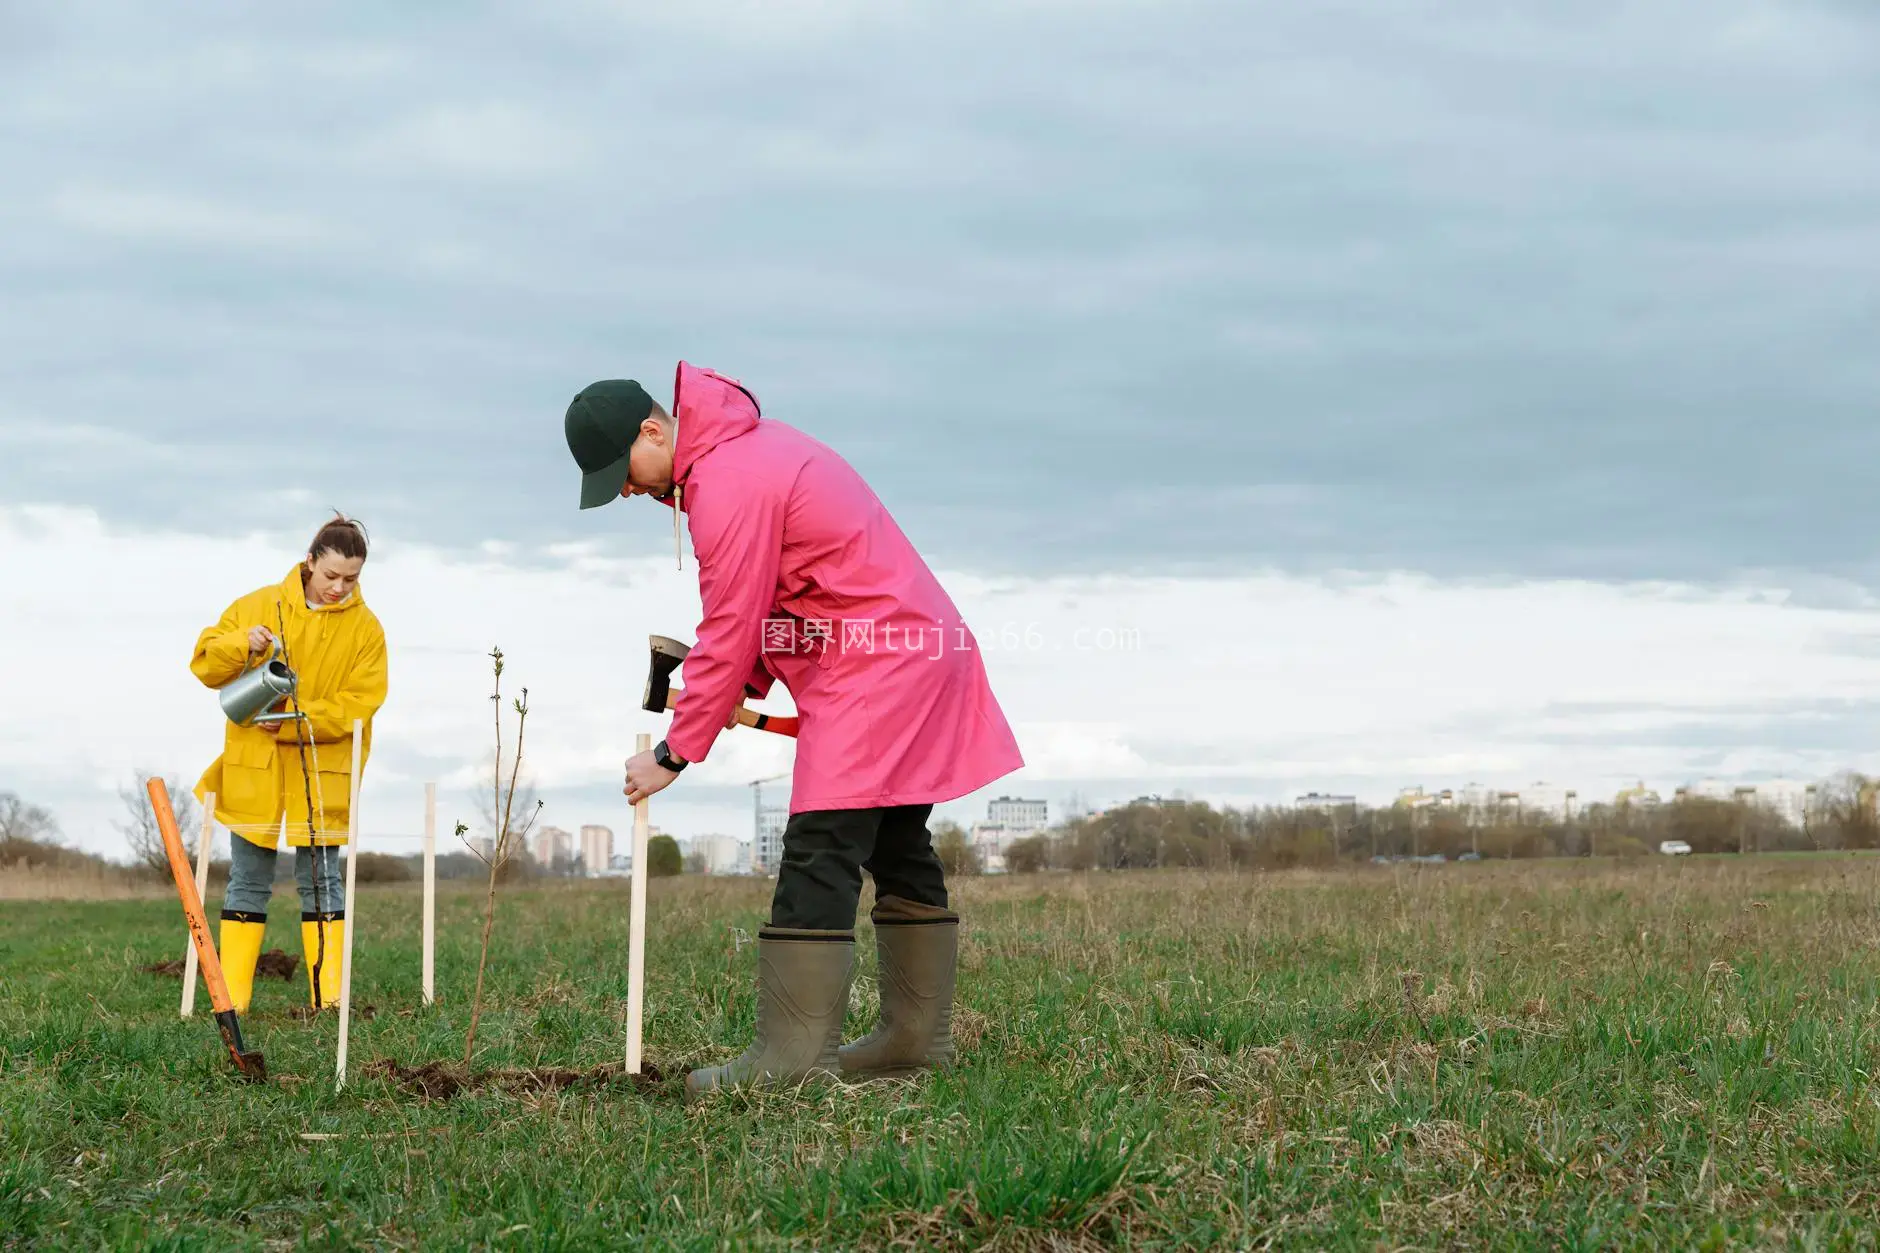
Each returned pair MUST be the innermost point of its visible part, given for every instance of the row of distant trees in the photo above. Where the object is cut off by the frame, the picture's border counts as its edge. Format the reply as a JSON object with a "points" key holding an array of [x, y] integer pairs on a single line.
{"points": [[1157, 832], [30, 836], [1143, 834]]}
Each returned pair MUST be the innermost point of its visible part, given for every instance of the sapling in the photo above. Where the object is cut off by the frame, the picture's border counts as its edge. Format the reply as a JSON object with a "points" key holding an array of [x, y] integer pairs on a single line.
{"points": [[507, 839]]}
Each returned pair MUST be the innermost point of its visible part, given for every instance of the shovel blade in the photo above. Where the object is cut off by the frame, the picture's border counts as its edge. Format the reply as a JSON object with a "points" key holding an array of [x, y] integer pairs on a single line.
{"points": [[251, 1064]]}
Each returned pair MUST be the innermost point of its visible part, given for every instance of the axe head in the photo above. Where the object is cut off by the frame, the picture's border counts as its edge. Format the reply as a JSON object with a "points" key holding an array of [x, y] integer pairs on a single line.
{"points": [[667, 654]]}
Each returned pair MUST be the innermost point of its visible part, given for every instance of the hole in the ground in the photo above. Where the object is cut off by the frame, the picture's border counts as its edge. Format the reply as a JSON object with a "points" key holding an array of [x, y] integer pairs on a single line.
{"points": [[444, 1080]]}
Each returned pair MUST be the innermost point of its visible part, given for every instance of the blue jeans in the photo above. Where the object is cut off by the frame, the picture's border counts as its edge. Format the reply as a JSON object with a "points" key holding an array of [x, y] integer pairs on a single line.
{"points": [[251, 880]]}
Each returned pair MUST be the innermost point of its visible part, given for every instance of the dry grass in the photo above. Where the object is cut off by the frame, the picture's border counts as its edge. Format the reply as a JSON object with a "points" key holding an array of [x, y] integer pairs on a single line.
{"points": [[53, 883], [1656, 1054]]}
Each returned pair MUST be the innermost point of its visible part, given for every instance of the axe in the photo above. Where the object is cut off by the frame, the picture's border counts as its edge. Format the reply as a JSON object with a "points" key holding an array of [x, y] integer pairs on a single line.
{"points": [[661, 696]]}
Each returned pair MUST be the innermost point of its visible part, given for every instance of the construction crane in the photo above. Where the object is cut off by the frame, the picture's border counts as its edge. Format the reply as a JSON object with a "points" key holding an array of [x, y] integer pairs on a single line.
{"points": [[757, 818]]}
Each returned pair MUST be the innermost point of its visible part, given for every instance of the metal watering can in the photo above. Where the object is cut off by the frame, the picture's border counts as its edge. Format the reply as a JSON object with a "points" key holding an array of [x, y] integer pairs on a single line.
{"points": [[245, 697]]}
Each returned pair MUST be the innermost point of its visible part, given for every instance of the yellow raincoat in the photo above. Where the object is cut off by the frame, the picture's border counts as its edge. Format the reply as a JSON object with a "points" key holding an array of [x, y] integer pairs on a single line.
{"points": [[338, 654]]}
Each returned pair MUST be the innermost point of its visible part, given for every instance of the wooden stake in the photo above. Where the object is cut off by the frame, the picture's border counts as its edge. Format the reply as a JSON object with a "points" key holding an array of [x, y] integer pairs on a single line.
{"points": [[202, 886], [636, 927], [430, 890], [352, 902]]}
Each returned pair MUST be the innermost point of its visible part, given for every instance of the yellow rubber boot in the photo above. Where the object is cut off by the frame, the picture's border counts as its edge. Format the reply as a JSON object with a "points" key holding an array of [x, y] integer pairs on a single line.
{"points": [[240, 945], [326, 994]]}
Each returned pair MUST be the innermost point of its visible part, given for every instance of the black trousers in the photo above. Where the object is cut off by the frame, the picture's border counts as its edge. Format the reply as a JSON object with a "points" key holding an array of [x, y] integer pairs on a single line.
{"points": [[819, 883]]}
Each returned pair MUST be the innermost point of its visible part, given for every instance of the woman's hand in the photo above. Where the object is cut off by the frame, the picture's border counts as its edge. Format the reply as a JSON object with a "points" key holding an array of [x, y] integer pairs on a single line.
{"points": [[645, 777], [260, 640]]}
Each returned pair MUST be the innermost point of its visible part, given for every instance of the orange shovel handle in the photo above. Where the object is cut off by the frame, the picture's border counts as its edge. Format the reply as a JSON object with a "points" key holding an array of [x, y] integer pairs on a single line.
{"points": [[253, 1065], [206, 956]]}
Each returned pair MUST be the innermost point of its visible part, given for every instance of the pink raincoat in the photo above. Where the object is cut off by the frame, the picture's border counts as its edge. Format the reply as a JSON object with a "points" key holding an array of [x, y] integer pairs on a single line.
{"points": [[804, 577]]}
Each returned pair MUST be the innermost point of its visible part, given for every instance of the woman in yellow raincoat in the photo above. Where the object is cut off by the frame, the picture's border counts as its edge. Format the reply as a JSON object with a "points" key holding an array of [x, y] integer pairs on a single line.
{"points": [[294, 778]]}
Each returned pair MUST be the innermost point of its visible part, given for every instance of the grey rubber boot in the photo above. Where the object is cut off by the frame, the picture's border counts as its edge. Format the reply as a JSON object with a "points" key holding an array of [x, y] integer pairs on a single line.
{"points": [[918, 947], [802, 995]]}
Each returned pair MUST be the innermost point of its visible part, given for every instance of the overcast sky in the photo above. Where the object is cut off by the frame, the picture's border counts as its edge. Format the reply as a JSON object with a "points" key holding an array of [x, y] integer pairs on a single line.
{"points": [[1513, 307]]}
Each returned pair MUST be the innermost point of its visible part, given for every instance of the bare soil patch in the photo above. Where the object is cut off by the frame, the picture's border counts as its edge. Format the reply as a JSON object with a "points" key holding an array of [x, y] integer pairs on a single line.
{"points": [[444, 1080], [307, 1013], [273, 964]]}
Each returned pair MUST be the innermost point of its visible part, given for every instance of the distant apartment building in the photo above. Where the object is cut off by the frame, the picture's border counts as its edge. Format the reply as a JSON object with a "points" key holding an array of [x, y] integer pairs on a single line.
{"points": [[1479, 802], [1325, 802], [1018, 814], [553, 847], [722, 854], [1638, 794], [1008, 820], [1789, 799], [990, 840], [1421, 804], [771, 821], [597, 849], [1545, 802]]}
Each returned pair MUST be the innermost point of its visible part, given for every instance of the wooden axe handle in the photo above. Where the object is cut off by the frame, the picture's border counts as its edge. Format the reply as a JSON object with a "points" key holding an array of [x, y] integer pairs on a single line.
{"points": [[767, 722], [773, 723]]}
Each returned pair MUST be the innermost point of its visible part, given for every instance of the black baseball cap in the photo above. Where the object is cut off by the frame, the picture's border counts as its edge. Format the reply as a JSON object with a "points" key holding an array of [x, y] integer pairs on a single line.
{"points": [[602, 423]]}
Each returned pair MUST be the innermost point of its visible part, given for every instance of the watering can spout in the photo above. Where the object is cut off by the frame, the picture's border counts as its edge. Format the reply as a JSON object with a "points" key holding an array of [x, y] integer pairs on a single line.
{"points": [[256, 691]]}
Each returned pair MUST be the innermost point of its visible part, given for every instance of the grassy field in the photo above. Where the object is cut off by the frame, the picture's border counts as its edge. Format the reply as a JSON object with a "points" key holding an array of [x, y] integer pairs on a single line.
{"points": [[1577, 1055]]}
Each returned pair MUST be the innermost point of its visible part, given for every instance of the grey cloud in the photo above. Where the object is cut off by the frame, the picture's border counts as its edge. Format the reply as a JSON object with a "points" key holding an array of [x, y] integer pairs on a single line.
{"points": [[1583, 290], [1840, 729]]}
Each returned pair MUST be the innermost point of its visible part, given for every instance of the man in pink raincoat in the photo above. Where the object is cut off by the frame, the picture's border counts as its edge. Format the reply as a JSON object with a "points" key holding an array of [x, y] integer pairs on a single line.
{"points": [[805, 579]]}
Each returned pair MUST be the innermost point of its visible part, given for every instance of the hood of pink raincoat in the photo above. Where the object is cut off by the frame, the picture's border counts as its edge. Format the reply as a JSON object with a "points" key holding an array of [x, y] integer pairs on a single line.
{"points": [[710, 409]]}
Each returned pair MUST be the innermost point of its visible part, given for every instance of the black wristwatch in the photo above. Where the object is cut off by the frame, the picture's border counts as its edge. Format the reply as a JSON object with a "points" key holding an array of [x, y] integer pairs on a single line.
{"points": [[666, 760]]}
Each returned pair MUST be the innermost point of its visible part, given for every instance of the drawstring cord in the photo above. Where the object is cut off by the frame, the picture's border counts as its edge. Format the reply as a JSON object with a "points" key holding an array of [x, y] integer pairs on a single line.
{"points": [[678, 489], [678, 506]]}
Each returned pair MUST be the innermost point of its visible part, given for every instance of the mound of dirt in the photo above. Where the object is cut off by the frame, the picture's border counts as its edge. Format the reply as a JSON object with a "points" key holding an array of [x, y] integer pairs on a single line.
{"points": [[443, 1080], [273, 964], [306, 1013]]}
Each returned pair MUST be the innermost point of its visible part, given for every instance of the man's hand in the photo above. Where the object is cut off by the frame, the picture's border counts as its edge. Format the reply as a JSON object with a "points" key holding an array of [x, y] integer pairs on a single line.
{"points": [[645, 777], [260, 640]]}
